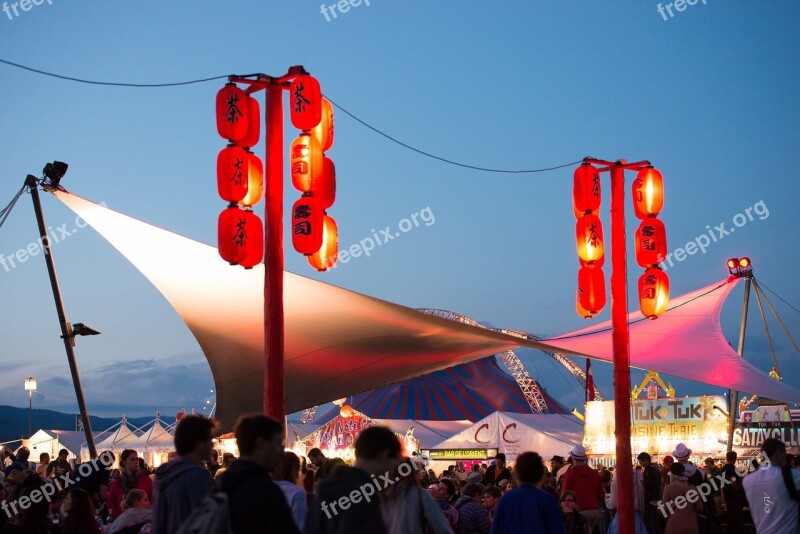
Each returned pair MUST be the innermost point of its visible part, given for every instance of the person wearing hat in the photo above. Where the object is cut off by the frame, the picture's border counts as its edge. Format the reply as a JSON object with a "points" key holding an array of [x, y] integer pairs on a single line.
{"points": [[497, 472], [694, 474], [586, 484]]}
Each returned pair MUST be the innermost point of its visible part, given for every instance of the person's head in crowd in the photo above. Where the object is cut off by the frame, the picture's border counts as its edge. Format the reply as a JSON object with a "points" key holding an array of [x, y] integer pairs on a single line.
{"points": [[474, 491], [289, 468], [568, 502], [556, 463], [129, 461], [23, 453], [377, 450], [775, 450], [605, 477], [136, 498], [44, 458], [644, 459], [450, 487], [260, 440], [677, 471], [511, 486], [668, 461], [730, 457], [193, 437], [529, 468], [709, 463], [578, 454], [500, 460], [316, 457], [80, 509], [491, 496], [214, 458], [475, 468]]}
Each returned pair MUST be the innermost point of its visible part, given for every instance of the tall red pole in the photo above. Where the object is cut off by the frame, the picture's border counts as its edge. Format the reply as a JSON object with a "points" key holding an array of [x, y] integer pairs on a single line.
{"points": [[273, 245], [619, 336]]}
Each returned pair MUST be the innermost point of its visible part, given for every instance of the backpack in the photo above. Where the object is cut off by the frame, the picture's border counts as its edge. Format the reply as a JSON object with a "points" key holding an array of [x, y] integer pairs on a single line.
{"points": [[211, 517]]}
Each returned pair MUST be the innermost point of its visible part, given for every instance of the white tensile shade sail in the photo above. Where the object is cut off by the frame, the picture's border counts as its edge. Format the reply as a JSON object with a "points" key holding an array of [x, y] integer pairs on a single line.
{"points": [[339, 343]]}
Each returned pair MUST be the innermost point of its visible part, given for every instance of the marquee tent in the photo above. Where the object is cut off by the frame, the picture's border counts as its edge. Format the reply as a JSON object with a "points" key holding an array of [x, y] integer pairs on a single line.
{"points": [[52, 441], [515, 433], [348, 343]]}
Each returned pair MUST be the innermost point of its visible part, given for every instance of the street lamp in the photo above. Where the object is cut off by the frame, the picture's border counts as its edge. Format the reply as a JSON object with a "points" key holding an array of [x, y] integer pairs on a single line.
{"points": [[651, 248], [30, 387]]}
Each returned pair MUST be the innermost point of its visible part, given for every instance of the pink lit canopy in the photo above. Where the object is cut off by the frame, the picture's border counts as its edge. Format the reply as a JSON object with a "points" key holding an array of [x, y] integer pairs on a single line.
{"points": [[339, 343]]}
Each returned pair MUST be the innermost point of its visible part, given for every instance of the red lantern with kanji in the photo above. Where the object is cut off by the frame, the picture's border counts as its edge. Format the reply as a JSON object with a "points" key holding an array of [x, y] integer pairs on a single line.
{"points": [[307, 217], [323, 132], [651, 242], [305, 102], [653, 292], [254, 251], [648, 193], [232, 112], [232, 173], [240, 235], [255, 181], [253, 123], [591, 295], [589, 238], [306, 161], [324, 186], [586, 190], [326, 256]]}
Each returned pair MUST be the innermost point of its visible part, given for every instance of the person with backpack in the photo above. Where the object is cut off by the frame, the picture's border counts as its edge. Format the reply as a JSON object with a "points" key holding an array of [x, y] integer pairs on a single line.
{"points": [[772, 492], [183, 483], [254, 502]]}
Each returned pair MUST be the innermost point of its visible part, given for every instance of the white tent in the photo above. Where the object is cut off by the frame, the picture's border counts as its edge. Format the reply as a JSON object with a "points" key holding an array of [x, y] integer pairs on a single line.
{"points": [[115, 440], [154, 445], [429, 433], [515, 433], [52, 441]]}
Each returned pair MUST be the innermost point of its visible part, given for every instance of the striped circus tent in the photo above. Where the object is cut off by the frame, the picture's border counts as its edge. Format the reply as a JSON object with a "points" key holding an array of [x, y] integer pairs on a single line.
{"points": [[470, 391]]}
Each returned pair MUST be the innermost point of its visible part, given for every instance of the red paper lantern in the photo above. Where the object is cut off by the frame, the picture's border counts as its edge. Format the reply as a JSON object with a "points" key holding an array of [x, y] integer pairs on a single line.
{"points": [[323, 132], [586, 190], [589, 238], [328, 253], [232, 112], [651, 242], [324, 186], [255, 181], [306, 161], [307, 217], [240, 236], [306, 102], [232, 173], [591, 295], [253, 123], [653, 292], [648, 193], [346, 411]]}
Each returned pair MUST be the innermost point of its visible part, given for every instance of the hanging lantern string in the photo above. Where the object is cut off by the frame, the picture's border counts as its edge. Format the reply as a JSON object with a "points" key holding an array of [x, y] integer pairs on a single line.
{"points": [[374, 129]]}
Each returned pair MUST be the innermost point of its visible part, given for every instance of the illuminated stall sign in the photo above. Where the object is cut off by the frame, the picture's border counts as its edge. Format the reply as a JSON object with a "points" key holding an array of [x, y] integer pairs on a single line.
{"points": [[659, 425], [461, 454], [752, 435]]}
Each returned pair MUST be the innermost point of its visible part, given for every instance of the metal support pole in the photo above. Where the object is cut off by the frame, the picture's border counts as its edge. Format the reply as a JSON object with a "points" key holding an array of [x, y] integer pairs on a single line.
{"points": [[66, 331], [621, 344], [274, 402], [30, 411], [734, 396]]}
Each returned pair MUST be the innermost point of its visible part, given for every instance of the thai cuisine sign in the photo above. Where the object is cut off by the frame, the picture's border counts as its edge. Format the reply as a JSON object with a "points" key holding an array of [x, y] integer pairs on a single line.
{"points": [[658, 425]]}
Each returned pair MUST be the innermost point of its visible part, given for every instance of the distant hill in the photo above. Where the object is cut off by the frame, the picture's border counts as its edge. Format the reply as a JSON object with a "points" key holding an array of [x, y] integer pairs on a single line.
{"points": [[14, 422]]}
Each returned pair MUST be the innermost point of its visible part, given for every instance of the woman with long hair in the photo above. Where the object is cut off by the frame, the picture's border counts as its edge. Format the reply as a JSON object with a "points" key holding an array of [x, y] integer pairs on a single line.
{"points": [[407, 508], [287, 477], [138, 513], [80, 514], [130, 478], [574, 522]]}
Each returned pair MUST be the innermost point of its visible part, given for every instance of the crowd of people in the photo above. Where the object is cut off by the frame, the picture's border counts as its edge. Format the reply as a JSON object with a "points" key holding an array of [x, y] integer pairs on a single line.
{"points": [[268, 489]]}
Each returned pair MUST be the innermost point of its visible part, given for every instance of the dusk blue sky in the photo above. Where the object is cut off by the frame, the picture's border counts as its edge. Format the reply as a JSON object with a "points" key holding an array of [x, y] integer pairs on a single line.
{"points": [[710, 96]]}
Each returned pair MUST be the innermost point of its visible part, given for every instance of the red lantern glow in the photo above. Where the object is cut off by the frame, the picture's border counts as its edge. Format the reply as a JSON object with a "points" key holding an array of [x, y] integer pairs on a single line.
{"points": [[232, 112], [586, 190], [232, 173], [306, 161], [253, 123], [648, 193], [255, 181], [323, 132], [326, 256], [324, 186], [651, 242], [307, 230], [591, 295], [589, 238], [306, 102], [653, 292], [240, 236], [346, 411]]}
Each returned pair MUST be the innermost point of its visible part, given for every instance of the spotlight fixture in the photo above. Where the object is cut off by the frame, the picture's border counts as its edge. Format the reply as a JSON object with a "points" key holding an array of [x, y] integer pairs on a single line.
{"points": [[53, 173], [740, 267]]}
